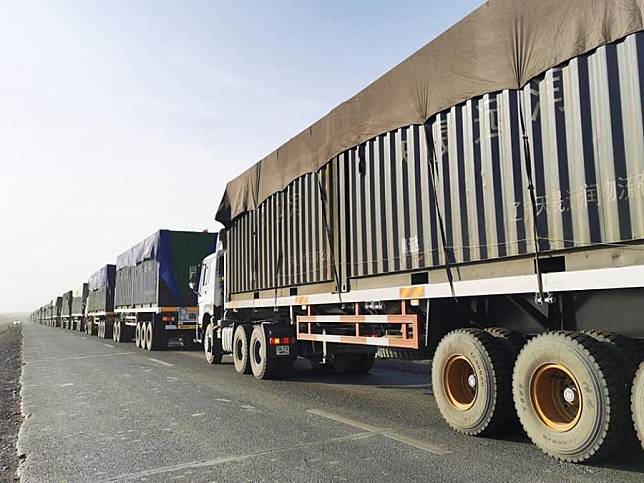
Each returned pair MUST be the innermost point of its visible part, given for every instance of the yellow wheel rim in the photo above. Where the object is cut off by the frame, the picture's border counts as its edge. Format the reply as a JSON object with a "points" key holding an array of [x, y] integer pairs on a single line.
{"points": [[556, 397], [460, 383]]}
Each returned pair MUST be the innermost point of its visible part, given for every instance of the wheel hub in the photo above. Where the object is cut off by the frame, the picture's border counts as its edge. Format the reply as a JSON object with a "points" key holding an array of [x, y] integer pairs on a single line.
{"points": [[459, 382], [555, 396]]}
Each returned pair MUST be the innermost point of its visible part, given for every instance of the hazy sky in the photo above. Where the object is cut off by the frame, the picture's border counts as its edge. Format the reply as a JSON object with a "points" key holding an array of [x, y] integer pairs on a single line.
{"points": [[118, 118]]}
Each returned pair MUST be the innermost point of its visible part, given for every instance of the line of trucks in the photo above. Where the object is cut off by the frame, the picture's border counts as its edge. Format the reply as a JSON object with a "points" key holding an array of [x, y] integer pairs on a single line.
{"points": [[500, 234]]}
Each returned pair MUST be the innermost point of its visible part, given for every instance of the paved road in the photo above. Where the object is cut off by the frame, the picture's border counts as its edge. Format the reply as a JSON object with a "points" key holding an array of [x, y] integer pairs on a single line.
{"points": [[97, 411]]}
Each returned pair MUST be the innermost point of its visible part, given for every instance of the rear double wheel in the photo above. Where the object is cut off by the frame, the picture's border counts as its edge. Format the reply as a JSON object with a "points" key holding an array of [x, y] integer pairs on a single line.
{"points": [[471, 378], [155, 338], [241, 356], [570, 396], [263, 366], [116, 332], [139, 335]]}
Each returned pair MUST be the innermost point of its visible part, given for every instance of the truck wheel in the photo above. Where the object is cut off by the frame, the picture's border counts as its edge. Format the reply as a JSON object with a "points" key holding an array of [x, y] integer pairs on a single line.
{"points": [[241, 357], [570, 396], [263, 367], [108, 328], [472, 381], [516, 340], [630, 350], [101, 329], [212, 346], [152, 337], [138, 340], [116, 332], [637, 403]]}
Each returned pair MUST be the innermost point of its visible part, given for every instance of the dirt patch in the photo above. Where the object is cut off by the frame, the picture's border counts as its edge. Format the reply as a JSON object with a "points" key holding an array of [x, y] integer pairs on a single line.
{"points": [[10, 414]]}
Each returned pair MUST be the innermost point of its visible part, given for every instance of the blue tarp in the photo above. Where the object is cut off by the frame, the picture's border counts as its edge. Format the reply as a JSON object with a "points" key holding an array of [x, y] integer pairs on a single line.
{"points": [[159, 247], [104, 276]]}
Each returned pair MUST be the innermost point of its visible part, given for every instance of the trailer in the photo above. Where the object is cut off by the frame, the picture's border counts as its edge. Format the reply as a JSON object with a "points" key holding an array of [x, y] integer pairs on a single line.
{"points": [[66, 310], [79, 302], [53, 312], [152, 298], [99, 310], [481, 204]]}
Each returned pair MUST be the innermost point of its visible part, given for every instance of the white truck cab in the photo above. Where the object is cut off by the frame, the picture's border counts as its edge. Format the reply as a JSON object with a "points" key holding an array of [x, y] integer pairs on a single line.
{"points": [[206, 280]]}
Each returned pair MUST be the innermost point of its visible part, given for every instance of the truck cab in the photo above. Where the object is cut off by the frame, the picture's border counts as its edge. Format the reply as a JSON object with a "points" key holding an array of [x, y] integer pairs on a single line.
{"points": [[206, 280]]}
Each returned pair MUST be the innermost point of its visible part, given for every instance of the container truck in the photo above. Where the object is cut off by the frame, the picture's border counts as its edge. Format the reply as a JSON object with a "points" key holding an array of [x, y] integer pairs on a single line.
{"points": [[483, 202], [79, 302], [152, 297], [99, 312], [66, 310], [53, 312]]}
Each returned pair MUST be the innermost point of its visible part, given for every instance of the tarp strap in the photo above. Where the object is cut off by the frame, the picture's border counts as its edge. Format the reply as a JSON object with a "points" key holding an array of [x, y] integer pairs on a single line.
{"points": [[327, 230], [431, 160], [533, 203], [280, 257]]}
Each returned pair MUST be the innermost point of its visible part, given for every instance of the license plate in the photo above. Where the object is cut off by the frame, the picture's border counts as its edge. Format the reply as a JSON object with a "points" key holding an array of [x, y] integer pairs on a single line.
{"points": [[282, 350], [170, 327]]}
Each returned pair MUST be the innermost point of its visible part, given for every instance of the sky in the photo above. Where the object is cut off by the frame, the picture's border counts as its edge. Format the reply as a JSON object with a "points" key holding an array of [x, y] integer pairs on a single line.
{"points": [[118, 118]]}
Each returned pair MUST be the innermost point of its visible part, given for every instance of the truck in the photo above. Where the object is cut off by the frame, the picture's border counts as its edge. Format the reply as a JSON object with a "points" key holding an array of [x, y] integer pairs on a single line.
{"points": [[99, 310], [66, 310], [479, 204], [53, 312], [152, 299], [79, 303]]}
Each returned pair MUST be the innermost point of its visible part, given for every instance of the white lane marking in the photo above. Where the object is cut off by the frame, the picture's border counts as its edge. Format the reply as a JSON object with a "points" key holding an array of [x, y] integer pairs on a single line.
{"points": [[110, 346], [221, 399], [82, 336], [234, 459], [391, 434], [67, 384], [163, 363], [82, 357], [196, 415]]}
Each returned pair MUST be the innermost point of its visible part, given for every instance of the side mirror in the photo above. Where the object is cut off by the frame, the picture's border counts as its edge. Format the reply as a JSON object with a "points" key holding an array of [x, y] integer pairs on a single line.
{"points": [[193, 276]]}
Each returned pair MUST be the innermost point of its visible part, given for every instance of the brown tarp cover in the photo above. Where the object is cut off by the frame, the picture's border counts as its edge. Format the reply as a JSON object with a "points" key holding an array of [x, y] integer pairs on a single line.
{"points": [[501, 45]]}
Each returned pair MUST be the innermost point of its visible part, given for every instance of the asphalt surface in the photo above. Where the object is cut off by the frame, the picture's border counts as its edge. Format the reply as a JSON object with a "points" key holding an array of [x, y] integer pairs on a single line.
{"points": [[99, 411]]}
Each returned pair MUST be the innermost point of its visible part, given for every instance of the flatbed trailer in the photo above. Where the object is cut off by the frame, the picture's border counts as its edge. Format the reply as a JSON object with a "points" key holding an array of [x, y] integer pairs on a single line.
{"points": [[478, 205]]}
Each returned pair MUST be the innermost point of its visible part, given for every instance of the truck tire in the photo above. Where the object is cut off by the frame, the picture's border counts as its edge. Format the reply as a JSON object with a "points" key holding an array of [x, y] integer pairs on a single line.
{"points": [[154, 337], [139, 335], [562, 420], [241, 356], [472, 381], [637, 403], [263, 366], [212, 346], [630, 350], [515, 339], [116, 332], [101, 329]]}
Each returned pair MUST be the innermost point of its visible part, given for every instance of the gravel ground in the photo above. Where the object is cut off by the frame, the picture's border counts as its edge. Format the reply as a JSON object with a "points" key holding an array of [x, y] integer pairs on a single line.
{"points": [[10, 414]]}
